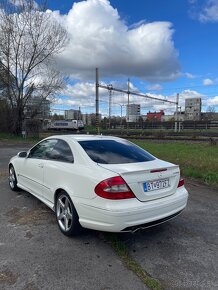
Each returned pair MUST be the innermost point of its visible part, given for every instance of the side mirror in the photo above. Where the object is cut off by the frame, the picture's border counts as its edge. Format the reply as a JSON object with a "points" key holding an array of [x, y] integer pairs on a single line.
{"points": [[22, 154]]}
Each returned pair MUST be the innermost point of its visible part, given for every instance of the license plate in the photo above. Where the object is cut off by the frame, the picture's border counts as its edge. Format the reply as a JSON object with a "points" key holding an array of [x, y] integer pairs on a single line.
{"points": [[156, 185]]}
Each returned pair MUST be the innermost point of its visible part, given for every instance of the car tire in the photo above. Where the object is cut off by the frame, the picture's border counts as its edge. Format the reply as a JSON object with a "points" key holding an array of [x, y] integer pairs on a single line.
{"points": [[66, 215], [12, 179]]}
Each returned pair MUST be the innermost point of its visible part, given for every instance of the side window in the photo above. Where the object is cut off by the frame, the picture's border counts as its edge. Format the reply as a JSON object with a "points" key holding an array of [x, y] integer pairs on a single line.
{"points": [[61, 152], [43, 149]]}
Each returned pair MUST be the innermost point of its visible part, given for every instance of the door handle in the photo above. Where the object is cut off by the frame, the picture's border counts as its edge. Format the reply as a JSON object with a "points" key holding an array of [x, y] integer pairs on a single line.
{"points": [[40, 165]]}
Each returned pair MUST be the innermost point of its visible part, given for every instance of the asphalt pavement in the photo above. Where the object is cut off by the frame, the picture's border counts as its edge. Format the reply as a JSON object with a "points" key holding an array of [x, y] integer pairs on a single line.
{"points": [[35, 255], [181, 254]]}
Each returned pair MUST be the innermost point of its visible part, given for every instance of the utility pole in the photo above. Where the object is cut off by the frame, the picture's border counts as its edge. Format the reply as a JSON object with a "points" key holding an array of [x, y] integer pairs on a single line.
{"points": [[97, 103], [180, 119], [110, 103], [176, 117], [121, 114], [128, 93]]}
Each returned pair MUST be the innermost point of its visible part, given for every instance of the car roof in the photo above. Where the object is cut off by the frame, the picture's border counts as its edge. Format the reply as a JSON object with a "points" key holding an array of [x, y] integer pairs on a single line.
{"points": [[83, 137]]}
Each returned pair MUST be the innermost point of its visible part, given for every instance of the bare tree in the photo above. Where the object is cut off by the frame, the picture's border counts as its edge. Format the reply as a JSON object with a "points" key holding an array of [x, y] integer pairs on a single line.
{"points": [[30, 38], [211, 109]]}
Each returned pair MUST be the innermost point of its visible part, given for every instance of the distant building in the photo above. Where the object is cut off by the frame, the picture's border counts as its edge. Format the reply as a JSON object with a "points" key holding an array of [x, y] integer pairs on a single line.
{"points": [[90, 119], [193, 109], [133, 112], [155, 116], [72, 114], [37, 108]]}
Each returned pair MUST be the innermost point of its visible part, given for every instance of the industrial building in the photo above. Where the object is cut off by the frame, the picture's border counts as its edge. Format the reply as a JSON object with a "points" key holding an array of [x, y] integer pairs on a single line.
{"points": [[193, 109], [72, 114], [133, 112], [155, 116]]}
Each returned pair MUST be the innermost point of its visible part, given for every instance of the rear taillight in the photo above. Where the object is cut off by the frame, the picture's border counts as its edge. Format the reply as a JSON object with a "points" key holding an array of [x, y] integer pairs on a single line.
{"points": [[114, 188], [181, 182]]}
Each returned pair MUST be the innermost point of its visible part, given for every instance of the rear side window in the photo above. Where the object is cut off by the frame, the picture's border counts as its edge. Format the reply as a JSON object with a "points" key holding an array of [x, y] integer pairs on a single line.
{"points": [[114, 152], [61, 152]]}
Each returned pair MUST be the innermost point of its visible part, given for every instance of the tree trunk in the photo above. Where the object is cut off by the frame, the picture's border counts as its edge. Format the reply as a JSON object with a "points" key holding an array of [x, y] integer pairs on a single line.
{"points": [[18, 118]]}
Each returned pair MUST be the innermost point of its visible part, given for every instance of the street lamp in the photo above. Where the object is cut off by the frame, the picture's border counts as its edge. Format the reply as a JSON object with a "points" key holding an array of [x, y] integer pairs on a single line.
{"points": [[121, 112], [180, 118], [110, 87]]}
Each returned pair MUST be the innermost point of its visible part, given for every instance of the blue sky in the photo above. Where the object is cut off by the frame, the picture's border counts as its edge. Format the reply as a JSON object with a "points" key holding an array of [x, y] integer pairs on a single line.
{"points": [[165, 47]]}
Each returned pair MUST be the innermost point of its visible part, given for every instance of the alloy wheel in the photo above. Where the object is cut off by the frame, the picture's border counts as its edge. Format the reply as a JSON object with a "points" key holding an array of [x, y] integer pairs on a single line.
{"points": [[12, 179], [64, 213]]}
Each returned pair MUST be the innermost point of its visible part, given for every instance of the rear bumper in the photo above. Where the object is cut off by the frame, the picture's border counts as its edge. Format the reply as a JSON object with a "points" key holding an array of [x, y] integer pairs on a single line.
{"points": [[151, 224], [128, 215]]}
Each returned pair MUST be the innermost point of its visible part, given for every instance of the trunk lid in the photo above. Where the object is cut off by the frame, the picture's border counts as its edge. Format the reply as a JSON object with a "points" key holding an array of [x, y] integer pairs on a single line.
{"points": [[148, 180]]}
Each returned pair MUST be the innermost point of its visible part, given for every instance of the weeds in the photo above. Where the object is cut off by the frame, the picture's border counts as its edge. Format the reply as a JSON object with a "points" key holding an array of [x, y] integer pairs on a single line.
{"points": [[122, 251], [195, 160]]}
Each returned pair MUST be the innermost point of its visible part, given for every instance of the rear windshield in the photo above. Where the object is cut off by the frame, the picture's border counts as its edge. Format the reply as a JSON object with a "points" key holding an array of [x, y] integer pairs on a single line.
{"points": [[114, 152]]}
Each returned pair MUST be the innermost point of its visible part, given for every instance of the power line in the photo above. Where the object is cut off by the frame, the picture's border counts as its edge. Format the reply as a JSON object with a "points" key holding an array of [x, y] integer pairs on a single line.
{"points": [[188, 87], [135, 94], [128, 92]]}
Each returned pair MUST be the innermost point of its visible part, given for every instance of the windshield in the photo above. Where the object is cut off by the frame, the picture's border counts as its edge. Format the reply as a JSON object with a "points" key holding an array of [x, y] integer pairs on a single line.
{"points": [[114, 151]]}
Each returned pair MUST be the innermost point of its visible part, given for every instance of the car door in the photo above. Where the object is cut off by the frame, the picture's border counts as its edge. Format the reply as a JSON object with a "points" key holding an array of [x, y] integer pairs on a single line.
{"points": [[32, 171], [58, 166]]}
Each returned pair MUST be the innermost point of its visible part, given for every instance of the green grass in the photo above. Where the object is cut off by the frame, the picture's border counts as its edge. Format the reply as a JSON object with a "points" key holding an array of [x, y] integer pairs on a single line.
{"points": [[195, 160], [122, 251], [10, 138]]}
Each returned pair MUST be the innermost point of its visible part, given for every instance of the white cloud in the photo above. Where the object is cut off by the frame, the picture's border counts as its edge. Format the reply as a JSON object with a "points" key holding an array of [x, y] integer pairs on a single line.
{"points": [[23, 2], [209, 12], [81, 95], [99, 38], [137, 24], [208, 82], [190, 94], [189, 75], [155, 87], [212, 101]]}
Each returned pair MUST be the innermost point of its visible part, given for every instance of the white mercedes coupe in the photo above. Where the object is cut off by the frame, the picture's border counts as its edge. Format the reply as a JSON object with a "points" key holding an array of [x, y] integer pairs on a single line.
{"points": [[99, 182]]}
